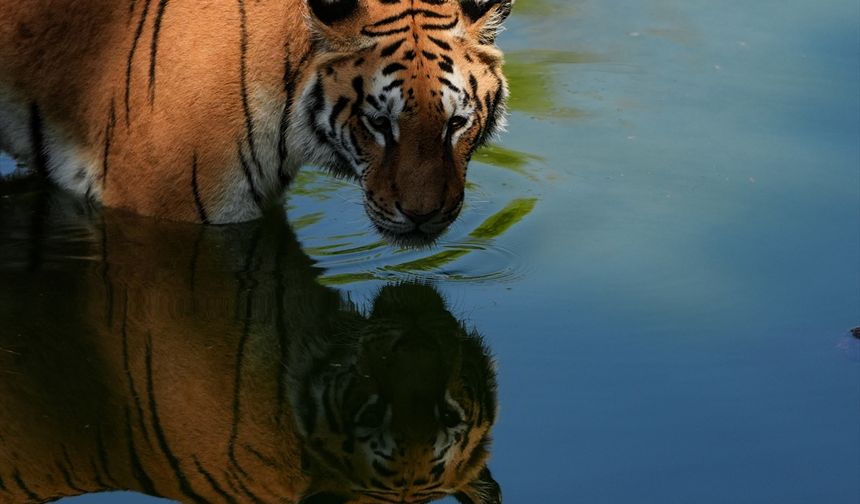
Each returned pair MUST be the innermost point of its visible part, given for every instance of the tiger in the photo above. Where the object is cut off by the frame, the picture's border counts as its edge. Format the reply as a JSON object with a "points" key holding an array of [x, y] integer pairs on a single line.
{"points": [[204, 110], [223, 372]]}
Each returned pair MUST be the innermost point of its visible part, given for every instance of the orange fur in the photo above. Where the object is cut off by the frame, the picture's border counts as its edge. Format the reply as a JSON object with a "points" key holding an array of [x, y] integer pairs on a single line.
{"points": [[198, 110]]}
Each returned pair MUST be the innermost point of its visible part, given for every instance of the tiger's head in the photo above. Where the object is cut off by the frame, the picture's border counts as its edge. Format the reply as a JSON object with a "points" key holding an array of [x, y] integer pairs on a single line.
{"points": [[399, 408], [403, 93]]}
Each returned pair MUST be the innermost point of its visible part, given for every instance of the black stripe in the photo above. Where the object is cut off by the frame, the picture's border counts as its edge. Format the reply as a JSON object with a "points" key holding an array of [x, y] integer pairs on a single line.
{"points": [[437, 471], [184, 486], [252, 187], [465, 441], [393, 84], [393, 67], [317, 101], [195, 191], [146, 484], [441, 43], [64, 468], [37, 141], [403, 15], [103, 459], [262, 458], [358, 86], [67, 478], [429, 55], [391, 48], [492, 112], [450, 85], [97, 475], [446, 67], [473, 84], [354, 142], [243, 85], [291, 75], [233, 487], [24, 488], [284, 125], [341, 104], [244, 490], [446, 26], [373, 102], [3, 484], [138, 32], [214, 484], [127, 368], [409, 55], [246, 283], [104, 273], [281, 328], [153, 49], [371, 33], [108, 138]]}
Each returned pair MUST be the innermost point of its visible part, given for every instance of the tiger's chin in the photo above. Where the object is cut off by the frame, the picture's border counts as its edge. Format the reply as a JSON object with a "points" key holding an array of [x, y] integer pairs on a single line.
{"points": [[408, 234], [415, 239]]}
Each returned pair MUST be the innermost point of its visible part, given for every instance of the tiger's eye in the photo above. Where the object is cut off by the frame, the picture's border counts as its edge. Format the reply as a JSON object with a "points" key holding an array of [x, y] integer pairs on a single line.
{"points": [[457, 122], [372, 416], [380, 123], [451, 418]]}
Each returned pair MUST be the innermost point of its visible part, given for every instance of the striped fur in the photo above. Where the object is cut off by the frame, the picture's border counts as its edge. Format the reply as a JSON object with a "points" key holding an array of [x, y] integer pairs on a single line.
{"points": [[207, 365], [202, 111]]}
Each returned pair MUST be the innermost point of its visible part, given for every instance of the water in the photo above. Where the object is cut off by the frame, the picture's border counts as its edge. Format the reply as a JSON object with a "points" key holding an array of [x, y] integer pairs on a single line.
{"points": [[662, 254]]}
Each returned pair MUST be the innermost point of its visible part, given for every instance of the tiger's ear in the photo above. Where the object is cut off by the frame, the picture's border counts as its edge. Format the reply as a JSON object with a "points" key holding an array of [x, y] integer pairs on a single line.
{"points": [[329, 12], [486, 17], [482, 490], [337, 24]]}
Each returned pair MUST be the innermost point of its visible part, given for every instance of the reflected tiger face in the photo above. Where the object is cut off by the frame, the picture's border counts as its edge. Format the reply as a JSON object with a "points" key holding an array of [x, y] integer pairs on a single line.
{"points": [[406, 93], [404, 414]]}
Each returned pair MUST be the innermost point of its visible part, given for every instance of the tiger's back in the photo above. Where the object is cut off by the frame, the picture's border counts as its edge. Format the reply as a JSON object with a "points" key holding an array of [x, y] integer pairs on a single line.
{"points": [[203, 111]]}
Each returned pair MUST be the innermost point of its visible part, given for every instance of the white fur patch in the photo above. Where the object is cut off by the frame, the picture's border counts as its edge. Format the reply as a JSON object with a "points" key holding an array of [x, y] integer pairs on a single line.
{"points": [[68, 164]]}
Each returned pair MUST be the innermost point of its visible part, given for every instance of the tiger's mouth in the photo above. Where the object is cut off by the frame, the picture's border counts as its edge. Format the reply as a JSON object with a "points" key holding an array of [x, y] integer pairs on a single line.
{"points": [[410, 230]]}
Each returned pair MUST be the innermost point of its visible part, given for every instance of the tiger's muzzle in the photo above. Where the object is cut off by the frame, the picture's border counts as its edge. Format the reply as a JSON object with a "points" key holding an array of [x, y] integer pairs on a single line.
{"points": [[411, 227]]}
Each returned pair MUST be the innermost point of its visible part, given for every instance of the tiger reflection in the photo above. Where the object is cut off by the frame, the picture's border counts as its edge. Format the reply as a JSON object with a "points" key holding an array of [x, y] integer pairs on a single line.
{"points": [[209, 365]]}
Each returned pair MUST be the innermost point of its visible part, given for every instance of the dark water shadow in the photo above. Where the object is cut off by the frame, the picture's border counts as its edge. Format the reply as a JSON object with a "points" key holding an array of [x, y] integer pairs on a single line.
{"points": [[208, 364]]}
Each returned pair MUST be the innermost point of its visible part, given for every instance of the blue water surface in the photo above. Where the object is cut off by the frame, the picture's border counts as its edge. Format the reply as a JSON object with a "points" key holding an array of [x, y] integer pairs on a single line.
{"points": [[670, 315]]}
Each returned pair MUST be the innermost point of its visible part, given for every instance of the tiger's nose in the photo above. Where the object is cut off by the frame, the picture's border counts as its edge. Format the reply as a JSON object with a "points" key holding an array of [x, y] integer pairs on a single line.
{"points": [[419, 218]]}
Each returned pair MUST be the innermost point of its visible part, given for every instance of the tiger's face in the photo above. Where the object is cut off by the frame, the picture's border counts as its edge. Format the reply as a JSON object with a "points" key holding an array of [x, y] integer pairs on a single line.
{"points": [[404, 95], [404, 413]]}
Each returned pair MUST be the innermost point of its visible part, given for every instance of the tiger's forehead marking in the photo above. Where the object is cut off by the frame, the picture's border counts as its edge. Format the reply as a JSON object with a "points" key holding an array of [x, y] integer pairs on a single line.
{"points": [[424, 71], [394, 19]]}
